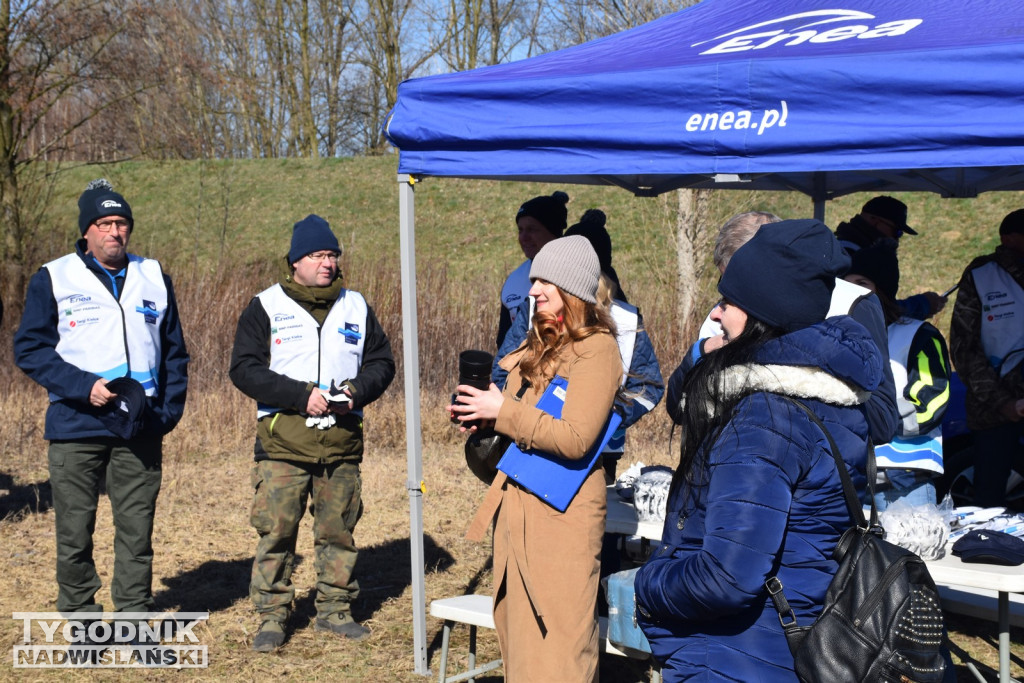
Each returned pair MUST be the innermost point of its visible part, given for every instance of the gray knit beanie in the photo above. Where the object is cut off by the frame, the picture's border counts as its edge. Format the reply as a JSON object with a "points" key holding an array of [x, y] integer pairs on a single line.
{"points": [[571, 264]]}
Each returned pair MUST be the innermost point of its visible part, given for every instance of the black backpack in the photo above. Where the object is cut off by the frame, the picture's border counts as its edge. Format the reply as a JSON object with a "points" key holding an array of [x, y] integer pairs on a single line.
{"points": [[882, 620]]}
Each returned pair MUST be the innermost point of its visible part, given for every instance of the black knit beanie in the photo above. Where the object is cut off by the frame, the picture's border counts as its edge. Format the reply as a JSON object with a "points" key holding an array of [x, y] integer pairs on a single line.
{"points": [[98, 201], [879, 264], [591, 226], [1012, 223], [785, 274], [550, 210]]}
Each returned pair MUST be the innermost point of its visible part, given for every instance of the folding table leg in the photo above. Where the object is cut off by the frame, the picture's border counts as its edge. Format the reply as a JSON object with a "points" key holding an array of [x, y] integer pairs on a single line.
{"points": [[445, 634]]}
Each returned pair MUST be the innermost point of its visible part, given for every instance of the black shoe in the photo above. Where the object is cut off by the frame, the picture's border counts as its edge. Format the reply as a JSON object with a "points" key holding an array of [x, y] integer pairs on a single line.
{"points": [[270, 637]]}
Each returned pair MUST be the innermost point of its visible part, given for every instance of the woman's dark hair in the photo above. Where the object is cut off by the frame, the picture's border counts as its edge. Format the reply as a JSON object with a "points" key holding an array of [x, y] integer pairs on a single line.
{"points": [[707, 408], [890, 309]]}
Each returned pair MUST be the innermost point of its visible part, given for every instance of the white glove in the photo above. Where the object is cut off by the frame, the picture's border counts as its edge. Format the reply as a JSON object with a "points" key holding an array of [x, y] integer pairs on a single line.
{"points": [[325, 422]]}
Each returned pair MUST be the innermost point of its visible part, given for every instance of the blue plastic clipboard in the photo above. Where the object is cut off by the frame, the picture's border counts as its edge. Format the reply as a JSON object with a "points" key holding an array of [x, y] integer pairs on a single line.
{"points": [[554, 479]]}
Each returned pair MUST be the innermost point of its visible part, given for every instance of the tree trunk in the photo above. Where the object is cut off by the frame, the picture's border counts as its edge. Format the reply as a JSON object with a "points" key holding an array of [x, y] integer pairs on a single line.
{"points": [[692, 243]]}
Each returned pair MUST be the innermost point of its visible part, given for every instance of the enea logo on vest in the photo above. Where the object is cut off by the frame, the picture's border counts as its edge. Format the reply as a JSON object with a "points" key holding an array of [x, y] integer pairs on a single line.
{"points": [[148, 310], [351, 332], [807, 27]]}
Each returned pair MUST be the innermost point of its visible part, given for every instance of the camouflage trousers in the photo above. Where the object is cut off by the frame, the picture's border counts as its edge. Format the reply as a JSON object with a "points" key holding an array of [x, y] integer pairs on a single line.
{"points": [[282, 490]]}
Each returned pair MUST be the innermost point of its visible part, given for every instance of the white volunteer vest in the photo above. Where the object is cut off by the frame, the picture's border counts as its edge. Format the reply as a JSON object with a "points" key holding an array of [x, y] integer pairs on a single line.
{"points": [[911, 449], [102, 334], [1002, 316], [299, 349], [627, 321], [844, 296], [516, 288]]}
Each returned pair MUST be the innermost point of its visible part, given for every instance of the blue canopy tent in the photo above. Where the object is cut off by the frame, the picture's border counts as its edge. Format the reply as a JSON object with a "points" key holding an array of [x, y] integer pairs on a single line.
{"points": [[883, 96]]}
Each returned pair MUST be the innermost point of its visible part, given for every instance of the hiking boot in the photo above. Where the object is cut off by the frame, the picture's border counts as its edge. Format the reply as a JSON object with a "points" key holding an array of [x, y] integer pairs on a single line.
{"points": [[269, 638], [343, 625]]}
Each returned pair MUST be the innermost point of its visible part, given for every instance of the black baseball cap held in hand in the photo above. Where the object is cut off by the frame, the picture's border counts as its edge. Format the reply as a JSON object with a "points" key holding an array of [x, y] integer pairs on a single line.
{"points": [[123, 414]]}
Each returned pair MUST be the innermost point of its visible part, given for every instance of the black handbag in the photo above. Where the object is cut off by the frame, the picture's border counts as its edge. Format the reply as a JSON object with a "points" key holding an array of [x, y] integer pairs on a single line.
{"points": [[484, 449], [881, 620]]}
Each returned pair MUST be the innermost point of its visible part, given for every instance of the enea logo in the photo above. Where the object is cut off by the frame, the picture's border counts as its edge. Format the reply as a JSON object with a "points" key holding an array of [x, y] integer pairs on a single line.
{"points": [[148, 310], [78, 299], [281, 317], [110, 204], [818, 26]]}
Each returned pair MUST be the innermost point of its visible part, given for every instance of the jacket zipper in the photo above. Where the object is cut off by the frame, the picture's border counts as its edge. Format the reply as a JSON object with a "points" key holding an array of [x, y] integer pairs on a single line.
{"points": [[124, 319], [319, 350]]}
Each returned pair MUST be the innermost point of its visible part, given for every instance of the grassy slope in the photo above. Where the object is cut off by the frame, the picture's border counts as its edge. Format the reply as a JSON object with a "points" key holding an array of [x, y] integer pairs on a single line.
{"points": [[195, 215]]}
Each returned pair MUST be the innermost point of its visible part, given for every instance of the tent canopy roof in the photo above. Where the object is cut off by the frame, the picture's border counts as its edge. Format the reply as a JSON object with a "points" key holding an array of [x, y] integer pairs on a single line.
{"points": [[885, 95]]}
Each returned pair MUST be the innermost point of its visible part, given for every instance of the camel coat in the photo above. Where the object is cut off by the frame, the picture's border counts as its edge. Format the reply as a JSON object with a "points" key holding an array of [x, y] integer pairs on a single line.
{"points": [[546, 562]]}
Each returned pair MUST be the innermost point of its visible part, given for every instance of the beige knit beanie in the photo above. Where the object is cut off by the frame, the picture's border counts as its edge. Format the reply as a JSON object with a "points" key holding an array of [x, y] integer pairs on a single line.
{"points": [[571, 263]]}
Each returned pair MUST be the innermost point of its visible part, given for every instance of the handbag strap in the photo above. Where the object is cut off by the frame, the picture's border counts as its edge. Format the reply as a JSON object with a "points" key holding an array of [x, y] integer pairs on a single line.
{"points": [[849, 491], [787, 617]]}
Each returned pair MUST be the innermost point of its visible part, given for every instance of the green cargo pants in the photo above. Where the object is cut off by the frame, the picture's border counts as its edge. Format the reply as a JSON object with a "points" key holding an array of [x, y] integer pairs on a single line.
{"points": [[282, 489], [132, 472]]}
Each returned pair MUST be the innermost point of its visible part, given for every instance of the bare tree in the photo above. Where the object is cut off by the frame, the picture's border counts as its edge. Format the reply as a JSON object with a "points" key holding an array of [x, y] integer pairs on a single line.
{"points": [[479, 32], [60, 63], [390, 31], [693, 241]]}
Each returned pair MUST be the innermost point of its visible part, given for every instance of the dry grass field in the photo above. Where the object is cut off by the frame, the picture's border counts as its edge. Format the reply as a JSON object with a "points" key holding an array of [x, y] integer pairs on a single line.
{"points": [[220, 248], [204, 549]]}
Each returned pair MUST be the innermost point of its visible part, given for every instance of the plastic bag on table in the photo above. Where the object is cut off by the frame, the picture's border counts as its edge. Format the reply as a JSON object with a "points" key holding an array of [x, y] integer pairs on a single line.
{"points": [[650, 493], [921, 529]]}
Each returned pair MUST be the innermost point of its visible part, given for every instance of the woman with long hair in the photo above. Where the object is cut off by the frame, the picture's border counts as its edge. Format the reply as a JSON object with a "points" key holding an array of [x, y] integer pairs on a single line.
{"points": [[756, 493], [546, 562]]}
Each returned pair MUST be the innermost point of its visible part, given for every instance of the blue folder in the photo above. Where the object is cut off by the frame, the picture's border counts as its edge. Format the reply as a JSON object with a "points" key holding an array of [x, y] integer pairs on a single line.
{"points": [[554, 479]]}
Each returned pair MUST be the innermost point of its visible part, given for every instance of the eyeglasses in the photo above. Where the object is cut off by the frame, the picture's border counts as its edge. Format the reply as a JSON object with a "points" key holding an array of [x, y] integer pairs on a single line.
{"points": [[107, 226], [331, 256]]}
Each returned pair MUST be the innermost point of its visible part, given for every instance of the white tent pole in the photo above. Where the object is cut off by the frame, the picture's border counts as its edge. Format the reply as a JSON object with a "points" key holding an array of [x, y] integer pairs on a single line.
{"points": [[413, 434]]}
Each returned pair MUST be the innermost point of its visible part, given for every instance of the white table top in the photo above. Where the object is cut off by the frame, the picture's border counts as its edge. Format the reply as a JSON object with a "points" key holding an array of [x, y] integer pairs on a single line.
{"points": [[949, 570]]}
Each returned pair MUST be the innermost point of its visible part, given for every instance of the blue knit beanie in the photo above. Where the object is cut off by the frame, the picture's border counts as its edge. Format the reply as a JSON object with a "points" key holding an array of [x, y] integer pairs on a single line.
{"points": [[785, 274], [311, 234], [99, 201]]}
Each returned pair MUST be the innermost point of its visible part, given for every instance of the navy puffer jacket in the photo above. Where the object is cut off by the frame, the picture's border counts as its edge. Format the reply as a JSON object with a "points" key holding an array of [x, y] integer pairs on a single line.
{"points": [[772, 503]]}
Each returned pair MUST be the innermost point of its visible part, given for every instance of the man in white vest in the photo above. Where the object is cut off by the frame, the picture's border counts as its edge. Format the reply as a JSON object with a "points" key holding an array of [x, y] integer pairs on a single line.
{"points": [[92, 317], [986, 341], [312, 354]]}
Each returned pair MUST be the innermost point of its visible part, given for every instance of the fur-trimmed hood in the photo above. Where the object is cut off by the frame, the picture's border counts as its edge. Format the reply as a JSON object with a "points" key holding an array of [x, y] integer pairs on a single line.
{"points": [[835, 362]]}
